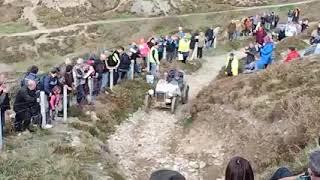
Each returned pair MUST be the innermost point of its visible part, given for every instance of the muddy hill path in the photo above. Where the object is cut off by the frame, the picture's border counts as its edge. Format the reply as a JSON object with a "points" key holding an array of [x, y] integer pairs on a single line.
{"points": [[149, 141]]}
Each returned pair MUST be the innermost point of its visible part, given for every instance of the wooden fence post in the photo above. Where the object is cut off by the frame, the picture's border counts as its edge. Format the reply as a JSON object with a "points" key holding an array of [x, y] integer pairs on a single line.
{"points": [[43, 109], [90, 83], [195, 52], [65, 103], [132, 70], [148, 64], [111, 79]]}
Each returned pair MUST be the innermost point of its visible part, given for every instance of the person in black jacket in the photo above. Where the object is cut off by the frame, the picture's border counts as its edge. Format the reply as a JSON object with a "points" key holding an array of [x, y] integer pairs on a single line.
{"points": [[124, 65], [25, 106], [209, 37], [4, 101], [171, 48]]}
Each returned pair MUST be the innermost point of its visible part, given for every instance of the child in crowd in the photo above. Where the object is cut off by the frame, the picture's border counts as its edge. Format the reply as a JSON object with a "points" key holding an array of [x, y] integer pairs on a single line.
{"points": [[55, 101]]}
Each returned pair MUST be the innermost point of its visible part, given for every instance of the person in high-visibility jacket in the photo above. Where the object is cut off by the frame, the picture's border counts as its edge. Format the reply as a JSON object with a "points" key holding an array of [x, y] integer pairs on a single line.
{"points": [[232, 65], [184, 47], [154, 59]]}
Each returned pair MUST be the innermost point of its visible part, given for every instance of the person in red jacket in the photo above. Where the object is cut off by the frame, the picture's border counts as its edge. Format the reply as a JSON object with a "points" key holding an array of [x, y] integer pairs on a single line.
{"points": [[292, 55]]}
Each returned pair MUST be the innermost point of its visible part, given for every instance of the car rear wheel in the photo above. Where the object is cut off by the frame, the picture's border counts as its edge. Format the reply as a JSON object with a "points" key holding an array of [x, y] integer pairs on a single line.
{"points": [[173, 105], [185, 97]]}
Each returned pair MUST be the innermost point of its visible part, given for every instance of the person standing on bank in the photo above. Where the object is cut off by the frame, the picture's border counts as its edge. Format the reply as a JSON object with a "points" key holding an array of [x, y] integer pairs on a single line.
{"points": [[4, 100]]}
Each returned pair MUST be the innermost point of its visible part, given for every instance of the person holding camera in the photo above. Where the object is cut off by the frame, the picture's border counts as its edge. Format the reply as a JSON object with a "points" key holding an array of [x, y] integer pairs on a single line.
{"points": [[313, 172]]}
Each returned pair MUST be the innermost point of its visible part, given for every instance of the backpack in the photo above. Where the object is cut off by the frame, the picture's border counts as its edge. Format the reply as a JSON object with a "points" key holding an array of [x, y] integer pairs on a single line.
{"points": [[111, 61]]}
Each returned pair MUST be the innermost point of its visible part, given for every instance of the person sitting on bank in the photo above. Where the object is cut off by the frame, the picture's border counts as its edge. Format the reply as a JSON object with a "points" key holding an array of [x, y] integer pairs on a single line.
{"points": [[313, 172], [292, 55], [232, 65]]}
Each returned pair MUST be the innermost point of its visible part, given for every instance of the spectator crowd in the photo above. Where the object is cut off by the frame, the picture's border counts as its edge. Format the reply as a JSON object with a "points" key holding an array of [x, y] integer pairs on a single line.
{"points": [[267, 32]]}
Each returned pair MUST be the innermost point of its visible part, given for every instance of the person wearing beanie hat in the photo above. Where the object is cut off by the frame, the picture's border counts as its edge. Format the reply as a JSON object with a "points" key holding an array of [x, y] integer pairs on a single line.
{"points": [[166, 175]]}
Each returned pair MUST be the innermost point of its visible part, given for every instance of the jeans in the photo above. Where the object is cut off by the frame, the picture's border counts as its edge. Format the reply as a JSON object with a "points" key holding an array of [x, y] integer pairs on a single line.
{"points": [[2, 114], [185, 57], [209, 43], [105, 81], [170, 56], [199, 55], [123, 73], [281, 173], [153, 69], [80, 94]]}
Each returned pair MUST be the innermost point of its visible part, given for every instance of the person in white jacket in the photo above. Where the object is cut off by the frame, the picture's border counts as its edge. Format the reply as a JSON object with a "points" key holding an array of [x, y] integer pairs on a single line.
{"points": [[291, 30]]}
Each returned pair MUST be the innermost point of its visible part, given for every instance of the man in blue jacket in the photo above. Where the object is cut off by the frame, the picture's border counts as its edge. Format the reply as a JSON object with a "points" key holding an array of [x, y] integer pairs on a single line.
{"points": [[265, 54], [50, 81]]}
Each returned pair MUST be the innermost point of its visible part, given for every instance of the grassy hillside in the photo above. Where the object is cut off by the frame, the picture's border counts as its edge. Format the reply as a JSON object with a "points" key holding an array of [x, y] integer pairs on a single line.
{"points": [[270, 118]]}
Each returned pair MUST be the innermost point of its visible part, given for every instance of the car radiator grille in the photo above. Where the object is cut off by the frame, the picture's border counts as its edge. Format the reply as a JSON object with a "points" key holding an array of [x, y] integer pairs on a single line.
{"points": [[161, 97]]}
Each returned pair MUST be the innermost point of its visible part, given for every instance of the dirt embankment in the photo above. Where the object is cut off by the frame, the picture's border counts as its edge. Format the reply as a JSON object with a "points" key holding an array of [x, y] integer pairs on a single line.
{"points": [[269, 118]]}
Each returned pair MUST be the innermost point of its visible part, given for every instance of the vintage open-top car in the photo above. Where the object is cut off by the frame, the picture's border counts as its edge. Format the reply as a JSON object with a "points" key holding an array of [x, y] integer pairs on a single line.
{"points": [[168, 92]]}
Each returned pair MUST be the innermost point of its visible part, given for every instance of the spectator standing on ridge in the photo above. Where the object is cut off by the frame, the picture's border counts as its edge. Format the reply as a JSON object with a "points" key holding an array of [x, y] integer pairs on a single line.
{"points": [[171, 48], [161, 47], [292, 55], [31, 74], [239, 169], [25, 101], [113, 62], [124, 65], [4, 100], [79, 81], [209, 37], [315, 36], [276, 21], [49, 81], [134, 54], [313, 172], [193, 41], [184, 48], [290, 15], [296, 15], [201, 44], [105, 72], [154, 60], [304, 25], [232, 65], [68, 81], [181, 34], [144, 51], [232, 27]]}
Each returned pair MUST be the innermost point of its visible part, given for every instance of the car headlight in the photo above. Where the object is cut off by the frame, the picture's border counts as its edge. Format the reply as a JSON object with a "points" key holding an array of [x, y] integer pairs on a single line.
{"points": [[151, 92]]}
